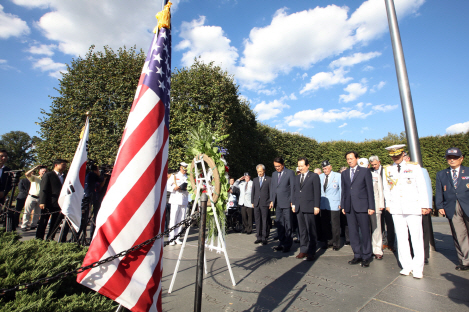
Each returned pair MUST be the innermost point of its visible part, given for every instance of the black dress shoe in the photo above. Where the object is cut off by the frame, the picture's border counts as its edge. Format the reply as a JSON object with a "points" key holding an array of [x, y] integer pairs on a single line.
{"points": [[310, 258], [278, 248], [335, 248], [248, 233], [276, 237], [366, 262], [264, 242], [462, 267], [355, 261], [257, 241], [296, 241], [347, 243], [285, 250], [426, 261]]}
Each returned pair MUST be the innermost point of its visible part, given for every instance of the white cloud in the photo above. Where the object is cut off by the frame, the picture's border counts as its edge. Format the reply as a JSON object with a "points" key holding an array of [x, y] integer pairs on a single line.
{"points": [[11, 25], [208, 42], [343, 125], [305, 75], [353, 59], [43, 49], [364, 129], [3, 61], [76, 25], [267, 92], [326, 80], [378, 86], [46, 64], [458, 128], [354, 91], [269, 110], [306, 117], [384, 108], [292, 96], [368, 68]]}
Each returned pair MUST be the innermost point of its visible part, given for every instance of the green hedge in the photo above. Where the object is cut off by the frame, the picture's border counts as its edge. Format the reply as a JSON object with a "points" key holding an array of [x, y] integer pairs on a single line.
{"points": [[23, 262]]}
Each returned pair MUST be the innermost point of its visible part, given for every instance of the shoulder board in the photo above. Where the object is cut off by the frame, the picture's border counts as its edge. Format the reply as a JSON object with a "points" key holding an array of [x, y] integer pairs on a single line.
{"points": [[412, 163]]}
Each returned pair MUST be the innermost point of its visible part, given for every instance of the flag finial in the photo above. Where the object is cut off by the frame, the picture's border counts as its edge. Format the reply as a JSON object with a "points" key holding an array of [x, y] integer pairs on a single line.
{"points": [[164, 18]]}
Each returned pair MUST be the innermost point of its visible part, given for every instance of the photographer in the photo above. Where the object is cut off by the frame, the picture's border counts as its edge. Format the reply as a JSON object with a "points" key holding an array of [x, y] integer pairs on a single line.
{"points": [[32, 200], [5, 181], [94, 182]]}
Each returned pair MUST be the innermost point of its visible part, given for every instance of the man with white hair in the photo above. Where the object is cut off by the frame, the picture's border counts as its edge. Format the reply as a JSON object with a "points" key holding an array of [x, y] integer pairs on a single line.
{"points": [[386, 217], [375, 220]]}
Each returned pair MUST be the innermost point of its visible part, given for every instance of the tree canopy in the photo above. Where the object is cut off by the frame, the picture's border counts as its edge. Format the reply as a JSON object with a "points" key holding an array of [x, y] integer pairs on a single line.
{"points": [[21, 148], [102, 83]]}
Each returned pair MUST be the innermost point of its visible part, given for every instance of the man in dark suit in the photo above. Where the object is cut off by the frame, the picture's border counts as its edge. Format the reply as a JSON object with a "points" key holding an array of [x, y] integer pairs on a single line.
{"points": [[306, 201], [452, 200], [357, 202], [5, 180], [51, 185], [281, 191], [260, 199]]}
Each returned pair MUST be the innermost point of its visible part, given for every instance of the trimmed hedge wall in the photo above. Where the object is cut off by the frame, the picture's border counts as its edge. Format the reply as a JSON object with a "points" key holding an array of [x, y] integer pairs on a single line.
{"points": [[273, 142]]}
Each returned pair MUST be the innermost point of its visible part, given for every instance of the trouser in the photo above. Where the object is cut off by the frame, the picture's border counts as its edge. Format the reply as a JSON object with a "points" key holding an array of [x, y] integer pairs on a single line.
{"points": [[330, 225], [319, 231], [178, 213], [42, 224], [427, 233], [261, 215], [19, 206], [284, 216], [308, 234], [390, 237], [344, 227], [96, 206], [167, 216], [376, 233], [31, 207], [295, 229], [460, 228], [359, 221], [246, 213], [403, 224]]}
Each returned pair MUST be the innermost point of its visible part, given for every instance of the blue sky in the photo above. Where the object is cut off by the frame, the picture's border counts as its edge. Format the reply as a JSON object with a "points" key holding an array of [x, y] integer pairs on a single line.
{"points": [[322, 68]]}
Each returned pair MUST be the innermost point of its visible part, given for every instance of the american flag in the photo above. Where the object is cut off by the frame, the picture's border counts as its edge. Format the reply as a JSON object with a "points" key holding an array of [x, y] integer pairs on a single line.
{"points": [[133, 209]]}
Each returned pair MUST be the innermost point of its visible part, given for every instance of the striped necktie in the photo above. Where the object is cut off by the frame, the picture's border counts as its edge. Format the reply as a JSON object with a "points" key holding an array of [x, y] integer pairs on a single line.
{"points": [[455, 178]]}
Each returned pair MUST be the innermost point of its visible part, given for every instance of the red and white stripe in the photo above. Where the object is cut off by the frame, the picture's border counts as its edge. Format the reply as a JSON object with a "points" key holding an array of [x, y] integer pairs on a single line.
{"points": [[133, 210]]}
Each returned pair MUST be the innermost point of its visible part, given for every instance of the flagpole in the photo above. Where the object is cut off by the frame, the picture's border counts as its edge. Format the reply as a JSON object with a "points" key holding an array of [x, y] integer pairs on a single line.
{"points": [[404, 87]]}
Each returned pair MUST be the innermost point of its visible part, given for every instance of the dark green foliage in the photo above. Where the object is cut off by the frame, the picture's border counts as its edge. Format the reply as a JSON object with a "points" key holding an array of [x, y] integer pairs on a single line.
{"points": [[205, 94], [20, 147], [22, 262], [102, 83]]}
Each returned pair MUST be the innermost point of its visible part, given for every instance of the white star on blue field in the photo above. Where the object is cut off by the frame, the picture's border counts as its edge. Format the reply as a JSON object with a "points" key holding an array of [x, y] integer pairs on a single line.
{"points": [[321, 68]]}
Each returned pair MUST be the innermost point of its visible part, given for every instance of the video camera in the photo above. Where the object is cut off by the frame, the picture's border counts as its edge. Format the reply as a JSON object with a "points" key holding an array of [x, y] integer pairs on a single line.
{"points": [[15, 176], [106, 170]]}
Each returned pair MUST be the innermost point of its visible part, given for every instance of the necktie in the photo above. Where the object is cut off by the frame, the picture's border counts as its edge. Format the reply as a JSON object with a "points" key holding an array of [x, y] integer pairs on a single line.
{"points": [[302, 179], [455, 179], [325, 183], [398, 168], [353, 173], [261, 180], [278, 178]]}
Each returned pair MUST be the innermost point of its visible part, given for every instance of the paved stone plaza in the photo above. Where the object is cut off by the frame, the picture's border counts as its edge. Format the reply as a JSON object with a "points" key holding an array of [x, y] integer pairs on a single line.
{"points": [[272, 281]]}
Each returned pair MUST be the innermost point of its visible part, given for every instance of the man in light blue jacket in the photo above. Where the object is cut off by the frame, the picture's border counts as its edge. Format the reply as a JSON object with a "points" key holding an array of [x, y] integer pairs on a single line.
{"points": [[330, 206]]}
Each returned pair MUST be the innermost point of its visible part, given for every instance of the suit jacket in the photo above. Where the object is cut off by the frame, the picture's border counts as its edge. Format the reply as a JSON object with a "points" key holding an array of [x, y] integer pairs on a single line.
{"points": [[281, 193], [308, 195], [378, 191], [5, 183], [330, 199], [50, 190], [359, 192], [446, 195], [260, 195]]}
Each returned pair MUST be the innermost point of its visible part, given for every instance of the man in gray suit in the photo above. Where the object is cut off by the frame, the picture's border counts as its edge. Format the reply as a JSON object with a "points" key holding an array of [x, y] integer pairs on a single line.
{"points": [[260, 199], [281, 191]]}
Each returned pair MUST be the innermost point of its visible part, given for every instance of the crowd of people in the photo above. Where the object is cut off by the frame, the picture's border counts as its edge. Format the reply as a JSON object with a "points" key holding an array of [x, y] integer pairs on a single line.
{"points": [[370, 205], [38, 195]]}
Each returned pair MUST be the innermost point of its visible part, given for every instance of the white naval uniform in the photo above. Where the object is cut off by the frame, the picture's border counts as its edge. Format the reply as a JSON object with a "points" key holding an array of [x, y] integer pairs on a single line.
{"points": [[178, 200], [406, 194]]}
